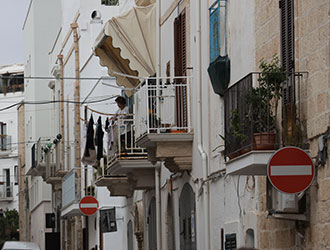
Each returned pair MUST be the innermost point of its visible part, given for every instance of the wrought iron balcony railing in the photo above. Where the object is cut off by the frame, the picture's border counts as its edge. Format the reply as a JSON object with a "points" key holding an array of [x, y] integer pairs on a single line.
{"points": [[122, 140], [263, 111], [163, 107], [6, 191], [5, 142]]}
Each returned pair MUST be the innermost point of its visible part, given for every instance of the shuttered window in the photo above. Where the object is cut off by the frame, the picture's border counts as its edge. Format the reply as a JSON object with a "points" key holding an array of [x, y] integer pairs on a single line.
{"points": [[287, 47], [180, 68], [180, 62]]}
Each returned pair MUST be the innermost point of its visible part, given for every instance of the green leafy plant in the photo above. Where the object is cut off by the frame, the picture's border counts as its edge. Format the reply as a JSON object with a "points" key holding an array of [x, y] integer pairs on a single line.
{"points": [[263, 99], [237, 129], [9, 226]]}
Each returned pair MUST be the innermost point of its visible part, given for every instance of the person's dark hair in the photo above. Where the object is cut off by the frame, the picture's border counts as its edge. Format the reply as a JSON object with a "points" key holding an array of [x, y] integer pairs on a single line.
{"points": [[120, 100]]}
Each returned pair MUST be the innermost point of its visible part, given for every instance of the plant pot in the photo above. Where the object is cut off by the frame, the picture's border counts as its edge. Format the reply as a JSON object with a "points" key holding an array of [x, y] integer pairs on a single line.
{"points": [[264, 141]]}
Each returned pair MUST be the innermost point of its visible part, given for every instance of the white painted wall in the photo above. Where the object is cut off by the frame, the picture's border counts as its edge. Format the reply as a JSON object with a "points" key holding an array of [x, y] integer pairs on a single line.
{"points": [[38, 37], [232, 200]]}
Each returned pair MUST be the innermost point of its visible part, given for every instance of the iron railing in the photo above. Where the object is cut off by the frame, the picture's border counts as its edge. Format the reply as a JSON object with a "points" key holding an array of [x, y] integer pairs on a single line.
{"points": [[5, 142], [6, 191], [163, 107], [254, 114], [121, 143]]}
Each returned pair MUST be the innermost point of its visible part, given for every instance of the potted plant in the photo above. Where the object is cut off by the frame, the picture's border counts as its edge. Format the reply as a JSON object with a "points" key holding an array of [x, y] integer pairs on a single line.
{"points": [[237, 133], [263, 103]]}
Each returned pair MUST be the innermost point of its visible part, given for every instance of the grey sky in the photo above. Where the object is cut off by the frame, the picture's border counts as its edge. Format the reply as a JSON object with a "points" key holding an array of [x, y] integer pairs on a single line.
{"points": [[12, 15]]}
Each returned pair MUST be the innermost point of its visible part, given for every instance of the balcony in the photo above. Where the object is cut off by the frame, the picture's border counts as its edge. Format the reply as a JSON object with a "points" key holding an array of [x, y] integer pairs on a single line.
{"points": [[70, 195], [52, 158], [258, 120], [38, 159], [5, 145], [163, 121], [6, 192], [127, 165]]}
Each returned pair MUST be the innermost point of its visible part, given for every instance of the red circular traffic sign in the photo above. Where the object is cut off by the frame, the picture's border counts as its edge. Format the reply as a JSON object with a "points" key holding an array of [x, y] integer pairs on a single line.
{"points": [[290, 170], [88, 205]]}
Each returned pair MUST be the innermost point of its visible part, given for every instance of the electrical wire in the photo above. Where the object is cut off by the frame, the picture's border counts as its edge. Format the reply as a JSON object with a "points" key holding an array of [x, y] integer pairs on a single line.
{"points": [[55, 101], [56, 78]]}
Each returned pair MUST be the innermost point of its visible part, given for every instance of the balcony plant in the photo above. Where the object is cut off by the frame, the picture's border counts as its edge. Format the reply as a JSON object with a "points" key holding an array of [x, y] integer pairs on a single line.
{"points": [[237, 133], [263, 103]]}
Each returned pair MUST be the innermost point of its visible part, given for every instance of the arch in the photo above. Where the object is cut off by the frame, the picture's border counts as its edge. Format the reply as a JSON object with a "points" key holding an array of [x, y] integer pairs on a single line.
{"points": [[170, 224], [187, 216], [130, 235], [152, 227], [249, 238]]}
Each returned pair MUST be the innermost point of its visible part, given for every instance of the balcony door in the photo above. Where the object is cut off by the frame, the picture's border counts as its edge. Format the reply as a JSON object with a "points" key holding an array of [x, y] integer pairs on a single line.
{"points": [[187, 219]]}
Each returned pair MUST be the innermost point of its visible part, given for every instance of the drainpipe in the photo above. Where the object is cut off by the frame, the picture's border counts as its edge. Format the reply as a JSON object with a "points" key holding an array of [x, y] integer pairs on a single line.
{"points": [[205, 184], [74, 27], [157, 167]]}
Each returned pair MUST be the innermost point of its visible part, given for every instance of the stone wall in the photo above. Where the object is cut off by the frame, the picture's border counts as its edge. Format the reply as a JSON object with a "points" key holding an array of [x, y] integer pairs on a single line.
{"points": [[21, 174], [312, 54]]}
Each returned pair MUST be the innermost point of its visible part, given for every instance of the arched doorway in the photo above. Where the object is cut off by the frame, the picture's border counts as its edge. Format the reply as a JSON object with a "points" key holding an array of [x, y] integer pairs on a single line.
{"points": [[187, 218], [152, 227], [170, 224], [129, 235]]}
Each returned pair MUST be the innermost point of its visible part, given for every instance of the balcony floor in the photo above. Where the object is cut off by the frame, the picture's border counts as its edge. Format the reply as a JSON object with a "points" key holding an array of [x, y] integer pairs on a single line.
{"points": [[251, 163]]}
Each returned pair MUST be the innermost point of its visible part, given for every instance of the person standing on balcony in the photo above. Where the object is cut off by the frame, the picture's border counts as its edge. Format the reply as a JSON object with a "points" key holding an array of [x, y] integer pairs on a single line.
{"points": [[124, 126]]}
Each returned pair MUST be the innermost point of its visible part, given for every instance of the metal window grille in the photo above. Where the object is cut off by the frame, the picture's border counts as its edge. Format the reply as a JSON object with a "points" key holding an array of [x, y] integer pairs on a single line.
{"points": [[110, 2]]}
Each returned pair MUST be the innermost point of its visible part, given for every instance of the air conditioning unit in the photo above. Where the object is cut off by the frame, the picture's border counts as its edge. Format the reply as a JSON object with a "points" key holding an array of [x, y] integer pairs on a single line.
{"points": [[284, 203]]}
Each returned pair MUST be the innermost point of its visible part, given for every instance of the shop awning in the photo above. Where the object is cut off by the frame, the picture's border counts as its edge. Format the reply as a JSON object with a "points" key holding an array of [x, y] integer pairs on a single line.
{"points": [[127, 44]]}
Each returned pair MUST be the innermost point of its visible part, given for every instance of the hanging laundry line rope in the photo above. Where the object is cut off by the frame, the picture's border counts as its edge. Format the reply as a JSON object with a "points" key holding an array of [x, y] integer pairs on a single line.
{"points": [[107, 114]]}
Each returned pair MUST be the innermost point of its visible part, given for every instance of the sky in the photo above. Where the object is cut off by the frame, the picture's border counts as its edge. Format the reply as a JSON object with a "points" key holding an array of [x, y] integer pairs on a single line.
{"points": [[12, 16]]}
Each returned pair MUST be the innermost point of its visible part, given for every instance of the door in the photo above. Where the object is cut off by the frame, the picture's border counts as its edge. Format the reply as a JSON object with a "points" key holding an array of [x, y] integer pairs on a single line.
{"points": [[152, 228], [53, 241], [187, 219], [130, 235]]}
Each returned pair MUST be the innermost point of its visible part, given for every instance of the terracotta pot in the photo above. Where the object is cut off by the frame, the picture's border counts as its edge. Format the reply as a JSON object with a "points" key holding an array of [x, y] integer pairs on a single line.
{"points": [[264, 141]]}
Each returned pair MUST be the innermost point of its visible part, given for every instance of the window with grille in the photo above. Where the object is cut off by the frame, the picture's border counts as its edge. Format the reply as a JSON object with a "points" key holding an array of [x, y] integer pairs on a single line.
{"points": [[287, 47], [110, 2]]}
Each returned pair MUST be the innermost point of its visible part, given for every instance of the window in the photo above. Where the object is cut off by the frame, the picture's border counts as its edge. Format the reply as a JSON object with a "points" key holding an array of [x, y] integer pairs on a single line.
{"points": [[16, 174], [110, 2], [217, 16], [180, 69], [108, 220], [287, 47]]}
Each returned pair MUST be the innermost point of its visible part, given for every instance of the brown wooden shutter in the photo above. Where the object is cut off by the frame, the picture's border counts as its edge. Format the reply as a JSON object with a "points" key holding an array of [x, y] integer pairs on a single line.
{"points": [[180, 68], [287, 47]]}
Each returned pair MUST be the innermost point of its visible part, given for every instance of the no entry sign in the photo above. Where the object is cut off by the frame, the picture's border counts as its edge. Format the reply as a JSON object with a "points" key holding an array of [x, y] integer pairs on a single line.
{"points": [[290, 170], [88, 205]]}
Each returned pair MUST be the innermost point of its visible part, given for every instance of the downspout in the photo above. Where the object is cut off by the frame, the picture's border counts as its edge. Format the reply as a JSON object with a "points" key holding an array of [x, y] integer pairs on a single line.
{"points": [[158, 168], [78, 225], [205, 184]]}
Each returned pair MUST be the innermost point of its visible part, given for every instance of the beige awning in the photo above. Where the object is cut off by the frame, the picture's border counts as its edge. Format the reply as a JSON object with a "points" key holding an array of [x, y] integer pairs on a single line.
{"points": [[127, 44]]}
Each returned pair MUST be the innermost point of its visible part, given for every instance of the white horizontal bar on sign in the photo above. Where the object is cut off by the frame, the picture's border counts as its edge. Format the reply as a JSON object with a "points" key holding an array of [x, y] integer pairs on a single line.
{"points": [[291, 170], [88, 205]]}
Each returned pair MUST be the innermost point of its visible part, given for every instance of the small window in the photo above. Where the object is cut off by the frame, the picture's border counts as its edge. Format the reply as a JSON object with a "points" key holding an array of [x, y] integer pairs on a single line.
{"points": [[16, 174], [110, 2]]}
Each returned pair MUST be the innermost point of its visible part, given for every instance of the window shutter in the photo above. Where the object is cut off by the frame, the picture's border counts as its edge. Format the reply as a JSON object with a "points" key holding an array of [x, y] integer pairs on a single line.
{"points": [[180, 68], [287, 47]]}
